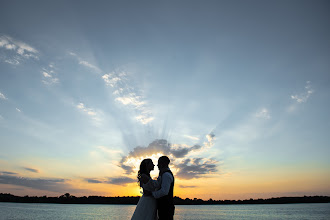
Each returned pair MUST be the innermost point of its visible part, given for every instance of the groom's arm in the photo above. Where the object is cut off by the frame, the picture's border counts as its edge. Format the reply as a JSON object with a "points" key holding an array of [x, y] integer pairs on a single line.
{"points": [[167, 179]]}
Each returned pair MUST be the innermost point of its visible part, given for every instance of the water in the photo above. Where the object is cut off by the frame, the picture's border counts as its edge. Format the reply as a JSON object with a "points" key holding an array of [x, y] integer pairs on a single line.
{"points": [[43, 211]]}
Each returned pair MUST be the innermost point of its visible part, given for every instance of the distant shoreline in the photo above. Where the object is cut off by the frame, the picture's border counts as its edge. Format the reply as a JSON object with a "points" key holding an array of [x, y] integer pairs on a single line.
{"points": [[133, 200]]}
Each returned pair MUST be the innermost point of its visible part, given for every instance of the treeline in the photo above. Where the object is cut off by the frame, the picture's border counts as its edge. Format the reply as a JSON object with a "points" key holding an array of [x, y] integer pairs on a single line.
{"points": [[133, 200], [278, 200], [70, 199]]}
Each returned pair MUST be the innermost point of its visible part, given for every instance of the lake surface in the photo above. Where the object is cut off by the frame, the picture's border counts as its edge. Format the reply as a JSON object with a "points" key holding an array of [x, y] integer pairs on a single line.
{"points": [[43, 211]]}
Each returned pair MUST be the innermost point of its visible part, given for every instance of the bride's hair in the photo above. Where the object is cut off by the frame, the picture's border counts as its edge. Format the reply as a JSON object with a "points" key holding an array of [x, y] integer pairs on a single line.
{"points": [[143, 168]]}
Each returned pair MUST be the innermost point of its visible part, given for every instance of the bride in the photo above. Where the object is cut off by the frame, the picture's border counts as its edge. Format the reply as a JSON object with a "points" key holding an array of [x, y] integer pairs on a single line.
{"points": [[146, 209]]}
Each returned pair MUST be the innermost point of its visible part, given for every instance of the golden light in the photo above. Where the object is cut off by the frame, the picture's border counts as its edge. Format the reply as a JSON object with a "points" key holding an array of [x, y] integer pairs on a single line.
{"points": [[136, 161]]}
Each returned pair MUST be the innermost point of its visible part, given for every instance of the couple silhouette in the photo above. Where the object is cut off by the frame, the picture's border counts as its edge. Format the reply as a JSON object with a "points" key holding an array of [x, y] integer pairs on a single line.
{"points": [[157, 199]]}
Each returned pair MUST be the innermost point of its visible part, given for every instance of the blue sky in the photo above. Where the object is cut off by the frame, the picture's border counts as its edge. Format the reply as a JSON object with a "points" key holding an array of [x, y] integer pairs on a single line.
{"points": [[239, 89]]}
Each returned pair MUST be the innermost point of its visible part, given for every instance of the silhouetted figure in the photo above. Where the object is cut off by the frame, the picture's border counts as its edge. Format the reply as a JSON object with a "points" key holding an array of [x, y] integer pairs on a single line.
{"points": [[164, 196], [146, 209]]}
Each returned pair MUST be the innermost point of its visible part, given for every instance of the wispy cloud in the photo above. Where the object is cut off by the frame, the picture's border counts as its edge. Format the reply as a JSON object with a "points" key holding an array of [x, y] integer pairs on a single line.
{"points": [[48, 79], [91, 66], [263, 113], [93, 114], [31, 170], [191, 137], [85, 63], [111, 80], [49, 75], [128, 95], [3, 97], [124, 91], [89, 111], [303, 97], [131, 99], [108, 151], [16, 50], [12, 61]]}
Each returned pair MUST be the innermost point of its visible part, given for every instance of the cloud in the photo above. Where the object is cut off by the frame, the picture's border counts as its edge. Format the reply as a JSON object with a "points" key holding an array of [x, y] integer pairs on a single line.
{"points": [[128, 95], [191, 137], [93, 114], [109, 152], [72, 54], [182, 151], [89, 111], [210, 140], [54, 185], [85, 63], [113, 180], [188, 168], [131, 99], [124, 91], [210, 137], [91, 66], [17, 50], [159, 146], [14, 62], [19, 110], [144, 118], [181, 186], [3, 41], [303, 97], [263, 113], [7, 173], [31, 170], [94, 180], [49, 75], [121, 180], [195, 168], [128, 168], [57, 185], [10, 46], [2, 96], [46, 75], [112, 80]]}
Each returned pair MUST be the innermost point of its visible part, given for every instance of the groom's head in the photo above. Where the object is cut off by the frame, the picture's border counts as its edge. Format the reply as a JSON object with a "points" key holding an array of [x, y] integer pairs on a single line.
{"points": [[163, 162]]}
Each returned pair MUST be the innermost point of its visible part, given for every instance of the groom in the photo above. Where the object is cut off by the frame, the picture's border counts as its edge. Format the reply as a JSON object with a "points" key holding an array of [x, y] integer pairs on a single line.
{"points": [[164, 195]]}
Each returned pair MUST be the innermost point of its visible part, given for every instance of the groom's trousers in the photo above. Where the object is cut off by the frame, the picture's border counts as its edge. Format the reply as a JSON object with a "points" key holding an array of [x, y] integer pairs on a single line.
{"points": [[166, 213]]}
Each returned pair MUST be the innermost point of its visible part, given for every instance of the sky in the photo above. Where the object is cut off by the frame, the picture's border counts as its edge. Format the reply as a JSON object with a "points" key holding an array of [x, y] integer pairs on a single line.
{"points": [[236, 93]]}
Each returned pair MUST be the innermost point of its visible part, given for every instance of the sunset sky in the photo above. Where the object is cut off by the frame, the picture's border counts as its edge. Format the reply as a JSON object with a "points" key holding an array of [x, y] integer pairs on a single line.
{"points": [[236, 93]]}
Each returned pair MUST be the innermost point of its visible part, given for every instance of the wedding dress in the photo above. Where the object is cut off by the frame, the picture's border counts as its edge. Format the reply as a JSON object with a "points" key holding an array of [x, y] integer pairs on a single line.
{"points": [[146, 209]]}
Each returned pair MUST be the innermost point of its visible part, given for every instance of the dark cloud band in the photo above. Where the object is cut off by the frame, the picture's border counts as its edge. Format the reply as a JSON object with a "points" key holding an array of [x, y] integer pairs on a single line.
{"points": [[55, 185]]}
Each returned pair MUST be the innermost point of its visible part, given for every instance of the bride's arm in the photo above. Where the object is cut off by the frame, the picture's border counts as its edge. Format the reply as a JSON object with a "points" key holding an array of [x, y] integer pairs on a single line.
{"points": [[151, 185]]}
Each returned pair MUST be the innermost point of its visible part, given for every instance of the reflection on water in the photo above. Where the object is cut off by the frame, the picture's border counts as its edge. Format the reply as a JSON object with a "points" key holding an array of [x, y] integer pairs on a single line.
{"points": [[183, 212]]}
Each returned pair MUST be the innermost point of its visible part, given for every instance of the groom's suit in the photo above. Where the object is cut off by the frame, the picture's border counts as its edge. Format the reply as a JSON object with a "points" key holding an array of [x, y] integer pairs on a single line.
{"points": [[164, 196]]}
